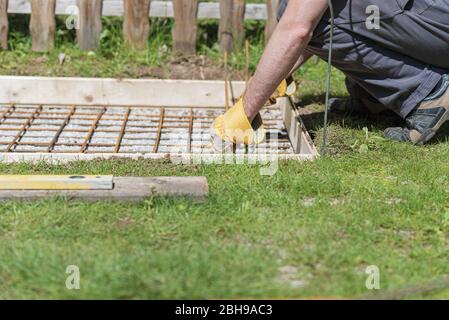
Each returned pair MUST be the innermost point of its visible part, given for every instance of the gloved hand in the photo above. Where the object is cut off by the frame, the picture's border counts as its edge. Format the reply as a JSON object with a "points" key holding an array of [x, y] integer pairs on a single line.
{"points": [[286, 88], [234, 128]]}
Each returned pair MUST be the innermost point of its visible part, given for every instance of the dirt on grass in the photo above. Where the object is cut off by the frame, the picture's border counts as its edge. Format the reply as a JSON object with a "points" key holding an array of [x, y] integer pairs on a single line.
{"points": [[186, 68], [177, 67]]}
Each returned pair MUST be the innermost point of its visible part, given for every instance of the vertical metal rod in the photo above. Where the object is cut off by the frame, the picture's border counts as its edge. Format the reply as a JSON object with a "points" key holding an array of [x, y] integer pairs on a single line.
{"points": [[234, 147], [159, 131], [226, 80], [122, 130], [189, 146], [231, 86], [247, 62], [246, 75], [325, 148], [55, 139], [92, 130], [25, 126]]}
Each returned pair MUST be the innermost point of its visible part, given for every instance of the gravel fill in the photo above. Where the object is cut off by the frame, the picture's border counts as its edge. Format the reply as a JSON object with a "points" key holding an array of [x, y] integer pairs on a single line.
{"points": [[141, 134]]}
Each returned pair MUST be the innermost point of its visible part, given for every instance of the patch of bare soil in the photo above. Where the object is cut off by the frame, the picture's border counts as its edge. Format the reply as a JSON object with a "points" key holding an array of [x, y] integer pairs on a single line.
{"points": [[186, 67], [179, 67], [35, 67]]}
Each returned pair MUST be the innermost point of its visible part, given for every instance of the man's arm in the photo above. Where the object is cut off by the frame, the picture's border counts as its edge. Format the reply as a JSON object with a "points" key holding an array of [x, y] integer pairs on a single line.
{"points": [[303, 58], [284, 51]]}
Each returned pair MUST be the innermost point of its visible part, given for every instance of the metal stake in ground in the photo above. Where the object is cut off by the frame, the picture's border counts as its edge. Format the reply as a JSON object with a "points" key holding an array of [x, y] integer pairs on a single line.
{"points": [[228, 85], [246, 74], [226, 80], [247, 62]]}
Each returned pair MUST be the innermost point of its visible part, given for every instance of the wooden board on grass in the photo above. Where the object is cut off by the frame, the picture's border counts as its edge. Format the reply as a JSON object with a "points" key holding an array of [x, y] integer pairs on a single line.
{"points": [[125, 189], [114, 92], [55, 182]]}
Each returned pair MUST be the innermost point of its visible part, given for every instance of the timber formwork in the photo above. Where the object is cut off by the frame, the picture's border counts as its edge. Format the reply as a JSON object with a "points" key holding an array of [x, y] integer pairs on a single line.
{"points": [[77, 119]]}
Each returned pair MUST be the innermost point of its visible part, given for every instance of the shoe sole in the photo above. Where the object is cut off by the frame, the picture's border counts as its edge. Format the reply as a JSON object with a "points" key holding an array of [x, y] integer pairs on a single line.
{"points": [[430, 133]]}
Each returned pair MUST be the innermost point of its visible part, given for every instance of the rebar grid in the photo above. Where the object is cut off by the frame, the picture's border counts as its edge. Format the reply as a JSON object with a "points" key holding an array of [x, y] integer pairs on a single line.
{"points": [[102, 129]]}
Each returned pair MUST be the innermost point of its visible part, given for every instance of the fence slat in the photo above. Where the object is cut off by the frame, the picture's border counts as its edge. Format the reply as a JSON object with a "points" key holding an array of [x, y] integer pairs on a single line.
{"points": [[231, 24], [43, 25], [272, 12], [4, 24], [185, 29], [88, 34], [136, 26], [238, 21], [159, 9]]}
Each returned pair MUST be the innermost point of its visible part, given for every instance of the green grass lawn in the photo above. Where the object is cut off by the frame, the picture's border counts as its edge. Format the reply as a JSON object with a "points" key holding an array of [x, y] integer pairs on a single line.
{"points": [[308, 231]]}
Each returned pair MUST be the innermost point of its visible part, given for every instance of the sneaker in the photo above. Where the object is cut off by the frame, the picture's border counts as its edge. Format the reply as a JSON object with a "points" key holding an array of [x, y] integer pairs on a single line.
{"points": [[427, 119]]}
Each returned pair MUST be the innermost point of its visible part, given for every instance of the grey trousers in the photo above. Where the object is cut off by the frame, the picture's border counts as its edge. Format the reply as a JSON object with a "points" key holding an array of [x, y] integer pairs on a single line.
{"points": [[399, 63]]}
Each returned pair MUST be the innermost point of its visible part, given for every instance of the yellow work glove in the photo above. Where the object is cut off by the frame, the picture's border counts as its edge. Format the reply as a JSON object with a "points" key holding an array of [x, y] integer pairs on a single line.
{"points": [[234, 128], [281, 91], [286, 88]]}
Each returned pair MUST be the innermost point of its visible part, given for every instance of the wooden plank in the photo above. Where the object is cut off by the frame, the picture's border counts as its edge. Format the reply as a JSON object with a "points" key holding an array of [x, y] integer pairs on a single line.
{"points": [[272, 13], [90, 26], [55, 182], [159, 9], [237, 23], [299, 137], [125, 189], [292, 125], [114, 92], [4, 24], [208, 10], [64, 158], [225, 36], [184, 158], [185, 29], [136, 26], [230, 32], [43, 25]]}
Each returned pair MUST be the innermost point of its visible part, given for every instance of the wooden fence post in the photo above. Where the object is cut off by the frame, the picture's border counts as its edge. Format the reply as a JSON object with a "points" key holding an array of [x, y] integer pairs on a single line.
{"points": [[232, 15], [43, 25], [136, 25], [272, 13], [88, 34], [185, 29], [4, 24]]}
